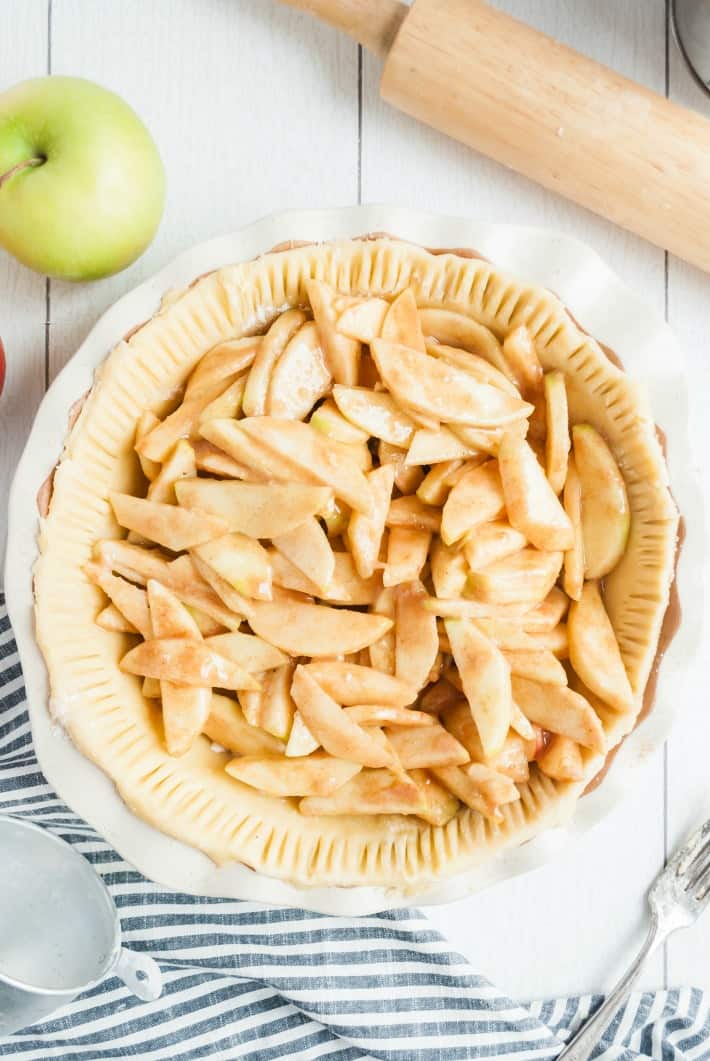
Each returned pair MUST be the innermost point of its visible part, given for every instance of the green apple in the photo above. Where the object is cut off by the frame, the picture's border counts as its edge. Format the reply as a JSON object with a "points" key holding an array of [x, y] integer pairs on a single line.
{"points": [[606, 516], [82, 185]]}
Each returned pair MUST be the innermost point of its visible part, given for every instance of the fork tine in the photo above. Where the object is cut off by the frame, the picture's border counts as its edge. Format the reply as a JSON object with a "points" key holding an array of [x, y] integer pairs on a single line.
{"points": [[698, 867], [702, 886], [697, 845]]}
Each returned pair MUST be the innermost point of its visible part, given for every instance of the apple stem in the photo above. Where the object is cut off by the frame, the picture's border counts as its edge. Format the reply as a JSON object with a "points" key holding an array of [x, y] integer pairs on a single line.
{"points": [[4, 177]]}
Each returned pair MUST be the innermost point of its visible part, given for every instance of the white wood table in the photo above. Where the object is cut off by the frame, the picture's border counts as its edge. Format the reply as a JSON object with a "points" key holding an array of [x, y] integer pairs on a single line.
{"points": [[257, 109]]}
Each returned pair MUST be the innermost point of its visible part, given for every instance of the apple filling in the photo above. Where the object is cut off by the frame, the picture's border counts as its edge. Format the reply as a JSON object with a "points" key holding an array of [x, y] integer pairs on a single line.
{"points": [[368, 562]]}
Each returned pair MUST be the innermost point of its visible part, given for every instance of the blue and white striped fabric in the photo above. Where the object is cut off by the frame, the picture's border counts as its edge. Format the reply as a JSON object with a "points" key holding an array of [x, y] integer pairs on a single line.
{"points": [[261, 983]]}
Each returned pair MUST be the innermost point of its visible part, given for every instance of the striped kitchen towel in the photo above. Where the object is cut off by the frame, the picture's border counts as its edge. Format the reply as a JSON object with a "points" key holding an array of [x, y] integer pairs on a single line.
{"points": [[255, 982]]}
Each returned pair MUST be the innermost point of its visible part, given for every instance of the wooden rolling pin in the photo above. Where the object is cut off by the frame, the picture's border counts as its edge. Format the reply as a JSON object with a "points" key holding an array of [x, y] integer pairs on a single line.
{"points": [[543, 109]]}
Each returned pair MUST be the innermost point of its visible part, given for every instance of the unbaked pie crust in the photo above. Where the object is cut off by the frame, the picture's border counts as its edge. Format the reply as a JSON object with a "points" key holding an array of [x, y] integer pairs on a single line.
{"points": [[103, 709]]}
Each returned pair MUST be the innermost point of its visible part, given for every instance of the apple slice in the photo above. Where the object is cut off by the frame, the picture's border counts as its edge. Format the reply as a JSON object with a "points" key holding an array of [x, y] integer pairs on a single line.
{"points": [[562, 759], [300, 376], [363, 319], [314, 629], [138, 565], [606, 516], [478, 787], [350, 684], [157, 444], [151, 689], [320, 457], [364, 533], [506, 634], [168, 525], [555, 641], [454, 329], [179, 465], [241, 561], [382, 652], [465, 608], [346, 586], [559, 710], [416, 636], [401, 323], [187, 662], [286, 575], [524, 365], [270, 350], [449, 570], [407, 477], [214, 461], [476, 366], [557, 437], [318, 775], [130, 601], [248, 651], [185, 706], [227, 726], [422, 747], [300, 740], [411, 512], [546, 615], [386, 715], [485, 677], [490, 542], [511, 760], [538, 665], [342, 354], [407, 551], [594, 651], [476, 498], [521, 726], [336, 517], [262, 464], [329, 724], [434, 487], [110, 618], [226, 405], [234, 601], [308, 549], [276, 707], [328, 419], [376, 413], [486, 440], [440, 805], [222, 364], [573, 577], [433, 447], [146, 422], [168, 616], [441, 390], [526, 576], [532, 506], [369, 792], [253, 509]]}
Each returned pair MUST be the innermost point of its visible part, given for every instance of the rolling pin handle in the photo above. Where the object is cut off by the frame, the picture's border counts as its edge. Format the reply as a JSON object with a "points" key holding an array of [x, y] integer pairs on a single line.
{"points": [[372, 23]]}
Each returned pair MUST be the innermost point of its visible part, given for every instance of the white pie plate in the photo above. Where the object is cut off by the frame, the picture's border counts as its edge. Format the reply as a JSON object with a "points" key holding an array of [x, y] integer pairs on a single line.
{"points": [[599, 301]]}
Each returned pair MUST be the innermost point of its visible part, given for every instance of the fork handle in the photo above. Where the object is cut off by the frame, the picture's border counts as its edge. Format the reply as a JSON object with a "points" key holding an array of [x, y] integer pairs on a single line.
{"points": [[589, 1036]]}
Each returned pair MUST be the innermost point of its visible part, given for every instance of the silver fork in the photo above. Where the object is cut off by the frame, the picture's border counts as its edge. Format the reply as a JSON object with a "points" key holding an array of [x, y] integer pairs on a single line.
{"points": [[676, 898]]}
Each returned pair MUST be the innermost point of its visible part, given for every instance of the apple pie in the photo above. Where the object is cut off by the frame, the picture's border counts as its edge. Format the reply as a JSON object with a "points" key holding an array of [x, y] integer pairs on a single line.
{"points": [[356, 564]]}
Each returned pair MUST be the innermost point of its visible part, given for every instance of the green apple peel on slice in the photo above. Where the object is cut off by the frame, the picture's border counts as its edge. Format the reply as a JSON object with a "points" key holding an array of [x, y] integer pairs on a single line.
{"points": [[606, 516]]}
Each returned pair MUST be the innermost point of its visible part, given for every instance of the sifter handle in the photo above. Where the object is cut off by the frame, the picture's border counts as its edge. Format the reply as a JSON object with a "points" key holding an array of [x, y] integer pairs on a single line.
{"points": [[372, 23]]}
